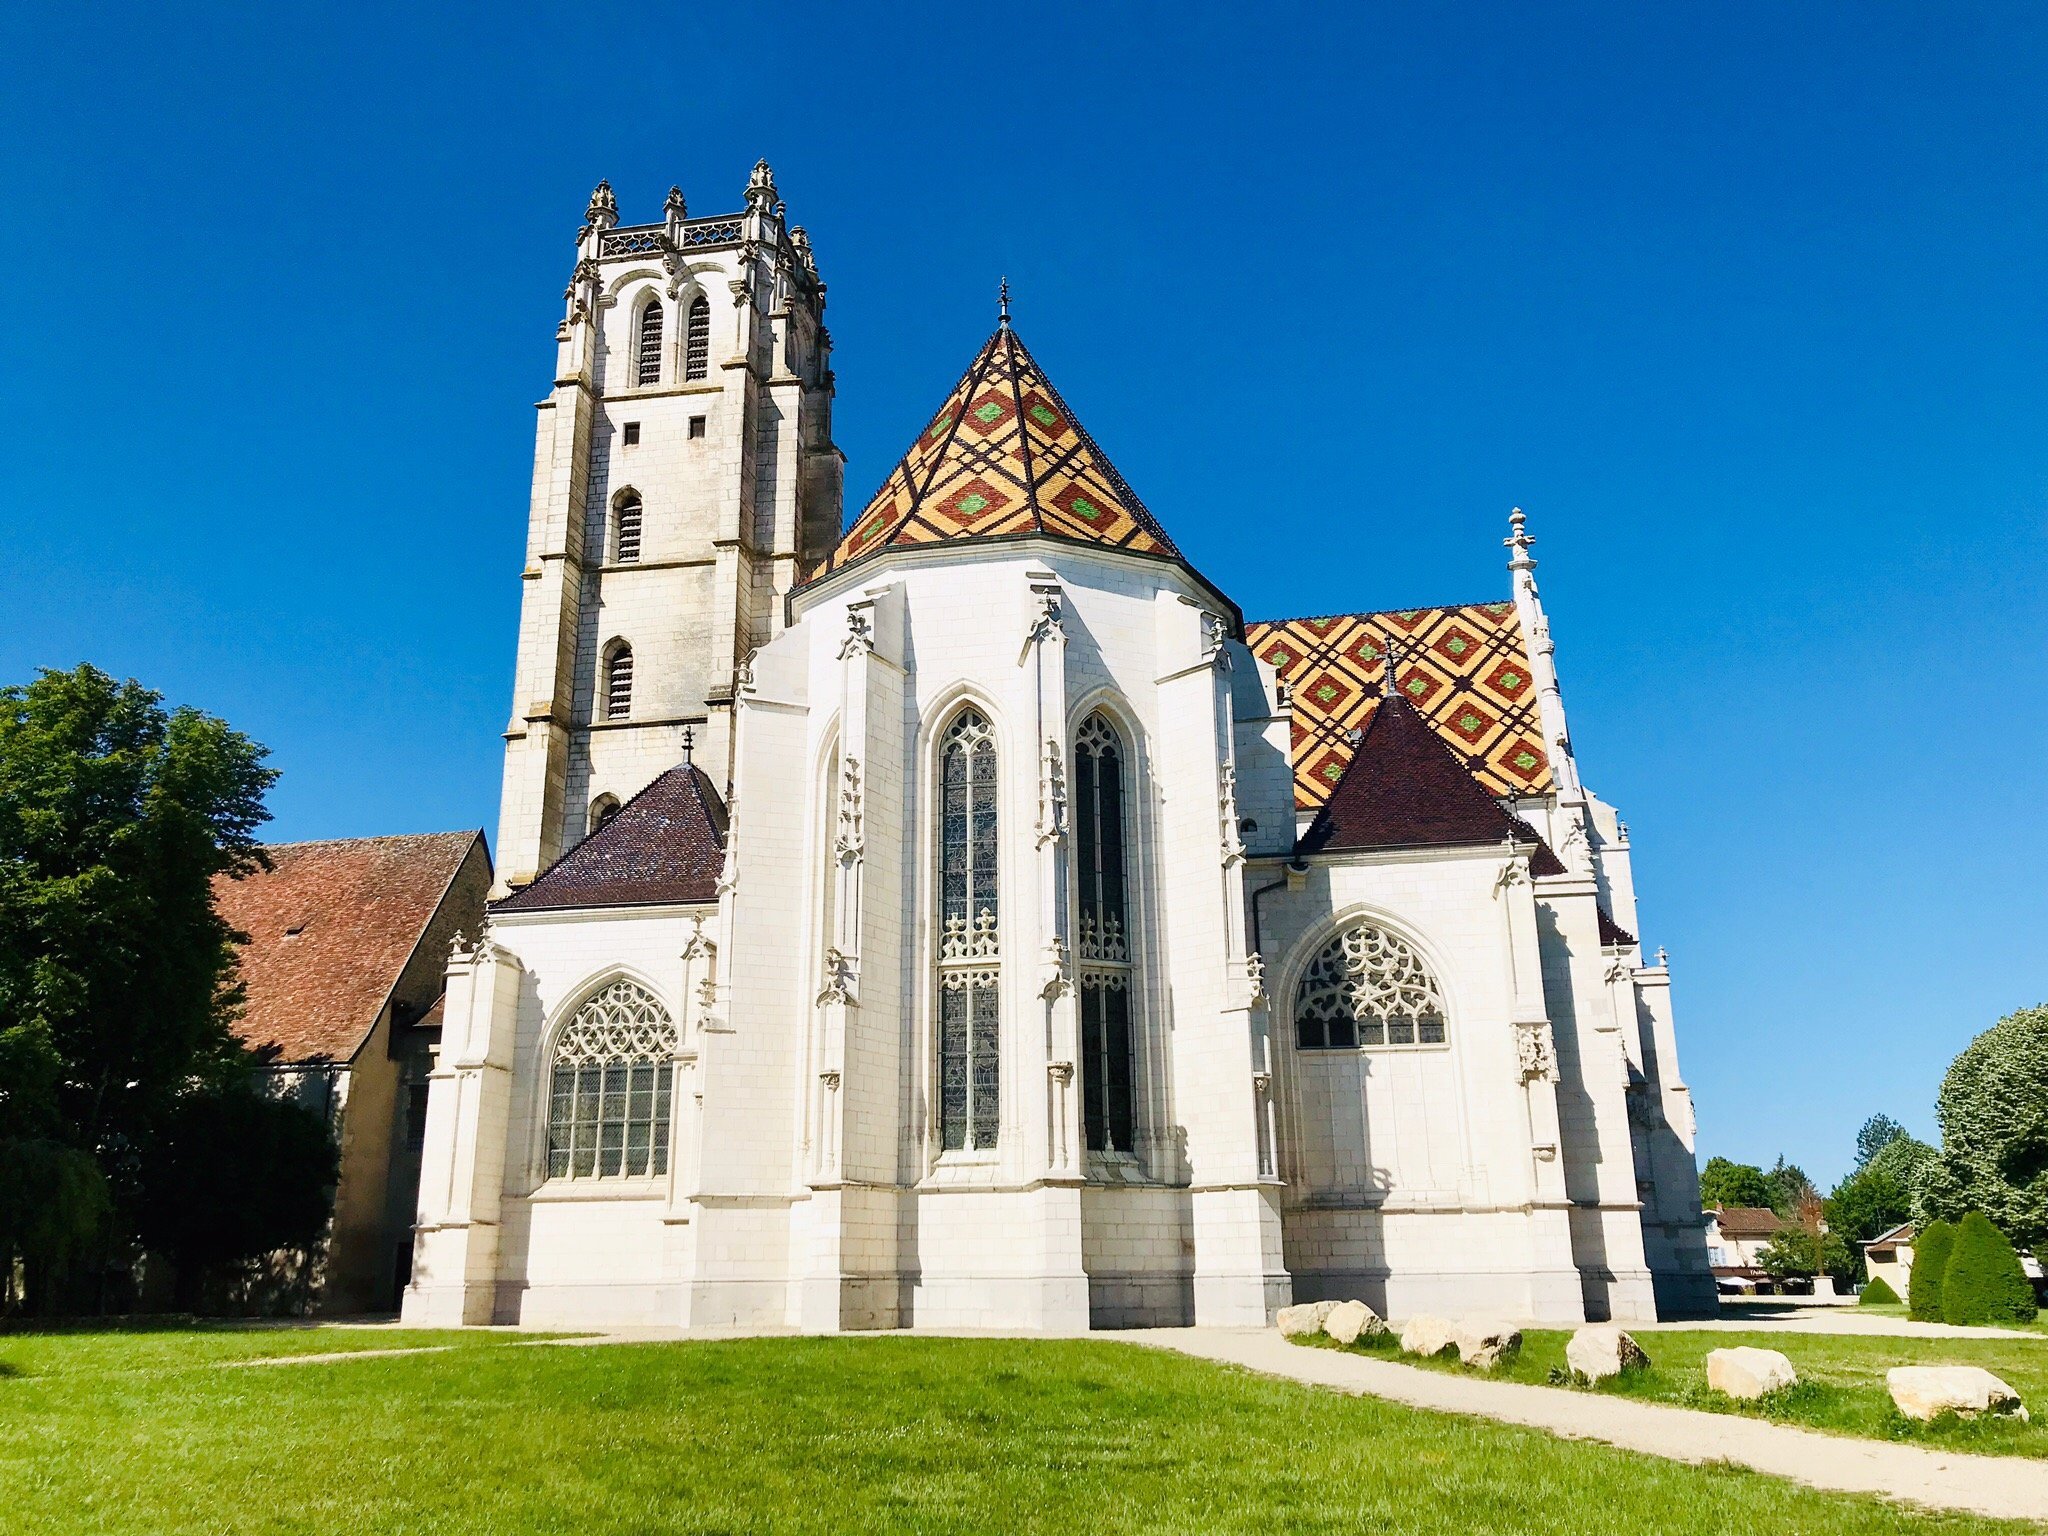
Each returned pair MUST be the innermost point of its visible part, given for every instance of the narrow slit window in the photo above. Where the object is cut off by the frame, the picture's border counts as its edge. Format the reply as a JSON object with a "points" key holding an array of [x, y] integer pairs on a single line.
{"points": [[618, 683], [1108, 1099], [626, 534]]}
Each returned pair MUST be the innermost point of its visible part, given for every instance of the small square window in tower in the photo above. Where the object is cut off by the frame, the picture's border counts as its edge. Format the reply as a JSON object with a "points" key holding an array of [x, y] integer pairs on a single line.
{"points": [[696, 426], [632, 433]]}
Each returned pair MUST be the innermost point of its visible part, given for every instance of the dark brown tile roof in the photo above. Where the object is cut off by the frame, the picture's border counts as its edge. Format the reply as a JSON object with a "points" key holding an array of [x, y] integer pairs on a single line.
{"points": [[665, 845], [1747, 1220], [1403, 789], [1612, 934], [331, 925]]}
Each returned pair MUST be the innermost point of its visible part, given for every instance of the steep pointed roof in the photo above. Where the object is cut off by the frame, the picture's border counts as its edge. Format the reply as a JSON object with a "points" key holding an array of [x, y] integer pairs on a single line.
{"points": [[1003, 456], [1404, 789], [665, 845]]}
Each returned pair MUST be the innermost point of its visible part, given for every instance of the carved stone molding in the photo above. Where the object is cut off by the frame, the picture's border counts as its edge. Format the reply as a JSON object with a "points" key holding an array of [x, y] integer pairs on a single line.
{"points": [[1226, 805], [841, 979], [1052, 795], [1535, 1052], [860, 635], [852, 840], [1060, 1071], [1255, 976]]}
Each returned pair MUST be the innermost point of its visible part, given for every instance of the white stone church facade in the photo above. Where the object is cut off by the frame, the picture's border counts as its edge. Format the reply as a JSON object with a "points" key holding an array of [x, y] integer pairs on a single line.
{"points": [[968, 919]]}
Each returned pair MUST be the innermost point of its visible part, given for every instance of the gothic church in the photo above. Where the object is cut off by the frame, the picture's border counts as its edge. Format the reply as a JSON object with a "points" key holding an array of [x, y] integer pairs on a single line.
{"points": [[969, 918]]}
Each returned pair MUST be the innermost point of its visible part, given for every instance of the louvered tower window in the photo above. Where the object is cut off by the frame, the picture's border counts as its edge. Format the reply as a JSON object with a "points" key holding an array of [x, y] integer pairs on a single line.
{"points": [[649, 371], [618, 683], [697, 340], [970, 1033], [626, 533], [611, 1088], [1103, 954]]}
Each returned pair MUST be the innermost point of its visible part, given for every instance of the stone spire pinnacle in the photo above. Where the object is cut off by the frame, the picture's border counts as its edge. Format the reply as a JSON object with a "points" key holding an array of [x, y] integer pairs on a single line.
{"points": [[1557, 742], [1003, 303], [761, 194], [603, 211], [673, 206], [1519, 539]]}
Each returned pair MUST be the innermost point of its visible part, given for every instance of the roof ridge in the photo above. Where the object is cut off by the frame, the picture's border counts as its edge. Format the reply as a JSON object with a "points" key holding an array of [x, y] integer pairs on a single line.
{"points": [[373, 837], [1401, 807], [1380, 613]]}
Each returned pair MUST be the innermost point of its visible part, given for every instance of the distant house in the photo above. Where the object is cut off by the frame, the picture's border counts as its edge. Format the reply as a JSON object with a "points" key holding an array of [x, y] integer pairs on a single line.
{"points": [[343, 969], [1736, 1237], [1889, 1256]]}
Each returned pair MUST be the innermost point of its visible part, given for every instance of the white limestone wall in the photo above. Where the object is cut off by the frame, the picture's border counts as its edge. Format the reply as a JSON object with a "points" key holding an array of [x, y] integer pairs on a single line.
{"points": [[1422, 1178]]}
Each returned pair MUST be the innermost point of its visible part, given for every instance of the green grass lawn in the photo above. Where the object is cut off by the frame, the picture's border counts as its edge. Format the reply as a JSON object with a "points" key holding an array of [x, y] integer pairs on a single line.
{"points": [[1841, 1381], [70, 1353], [838, 1435]]}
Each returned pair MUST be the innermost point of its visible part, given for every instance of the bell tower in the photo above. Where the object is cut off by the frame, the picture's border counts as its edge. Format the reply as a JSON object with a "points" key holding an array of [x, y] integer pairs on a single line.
{"points": [[684, 480]]}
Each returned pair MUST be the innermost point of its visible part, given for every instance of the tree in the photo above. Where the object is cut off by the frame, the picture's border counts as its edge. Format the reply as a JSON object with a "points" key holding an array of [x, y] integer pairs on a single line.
{"points": [[1906, 1159], [1877, 1133], [1879, 1294], [1806, 1246], [117, 976], [235, 1176], [1726, 1183], [1930, 1265], [1983, 1282], [1869, 1201], [53, 1211], [1789, 1187], [1993, 1111]]}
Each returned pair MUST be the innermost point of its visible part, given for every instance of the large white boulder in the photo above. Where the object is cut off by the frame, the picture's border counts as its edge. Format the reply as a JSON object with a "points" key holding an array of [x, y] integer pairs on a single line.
{"points": [[1349, 1319], [1749, 1373], [1484, 1345], [1603, 1350], [1924, 1391], [1427, 1335], [1304, 1319]]}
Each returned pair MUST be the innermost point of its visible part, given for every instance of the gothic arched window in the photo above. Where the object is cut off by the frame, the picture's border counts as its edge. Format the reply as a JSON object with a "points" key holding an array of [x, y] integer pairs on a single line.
{"points": [[648, 370], [1103, 953], [608, 1097], [697, 339], [1367, 987], [626, 529], [618, 682], [970, 1032]]}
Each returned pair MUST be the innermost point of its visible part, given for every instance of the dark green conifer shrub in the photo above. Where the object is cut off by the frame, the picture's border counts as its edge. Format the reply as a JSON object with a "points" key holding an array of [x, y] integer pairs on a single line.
{"points": [[1930, 1265], [1878, 1294], [1984, 1282]]}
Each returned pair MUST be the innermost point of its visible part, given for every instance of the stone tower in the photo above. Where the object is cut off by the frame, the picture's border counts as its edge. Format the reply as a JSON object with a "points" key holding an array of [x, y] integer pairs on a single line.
{"points": [[684, 479]]}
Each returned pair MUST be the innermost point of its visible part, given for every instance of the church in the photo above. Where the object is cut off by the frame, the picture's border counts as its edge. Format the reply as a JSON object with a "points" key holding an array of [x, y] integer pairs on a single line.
{"points": [[961, 915]]}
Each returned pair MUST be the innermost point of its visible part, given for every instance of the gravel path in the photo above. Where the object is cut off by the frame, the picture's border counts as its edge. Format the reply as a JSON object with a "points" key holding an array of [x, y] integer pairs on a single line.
{"points": [[1826, 1320], [2008, 1487]]}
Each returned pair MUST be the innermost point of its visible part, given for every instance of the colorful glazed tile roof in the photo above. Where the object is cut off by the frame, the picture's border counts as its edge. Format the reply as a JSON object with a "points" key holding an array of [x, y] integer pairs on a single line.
{"points": [[1466, 671], [1003, 456]]}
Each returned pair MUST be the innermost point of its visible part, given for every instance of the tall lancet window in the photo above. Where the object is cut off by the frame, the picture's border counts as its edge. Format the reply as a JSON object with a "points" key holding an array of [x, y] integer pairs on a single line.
{"points": [[970, 1032], [697, 339], [618, 682], [1104, 951], [649, 360], [626, 532]]}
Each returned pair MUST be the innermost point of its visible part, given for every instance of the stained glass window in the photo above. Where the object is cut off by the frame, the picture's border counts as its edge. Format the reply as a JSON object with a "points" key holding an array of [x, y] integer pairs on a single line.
{"points": [[1367, 987], [1103, 952], [609, 1096], [970, 1028]]}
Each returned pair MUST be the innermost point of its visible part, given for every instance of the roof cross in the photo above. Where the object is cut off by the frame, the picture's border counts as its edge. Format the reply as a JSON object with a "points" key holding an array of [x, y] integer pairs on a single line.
{"points": [[1003, 303]]}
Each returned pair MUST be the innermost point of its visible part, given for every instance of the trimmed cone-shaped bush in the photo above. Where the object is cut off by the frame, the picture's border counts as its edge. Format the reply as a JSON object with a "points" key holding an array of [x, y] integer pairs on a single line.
{"points": [[1984, 1283], [1878, 1294], [1930, 1266]]}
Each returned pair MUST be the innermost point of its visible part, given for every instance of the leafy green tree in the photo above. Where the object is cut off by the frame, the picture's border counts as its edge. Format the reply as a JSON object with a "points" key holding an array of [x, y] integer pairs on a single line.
{"points": [[1906, 1159], [117, 975], [236, 1176], [1805, 1246], [1879, 1294], [1726, 1183], [1993, 1111], [53, 1212], [1983, 1282], [1867, 1202], [1789, 1187], [1877, 1133], [1930, 1266]]}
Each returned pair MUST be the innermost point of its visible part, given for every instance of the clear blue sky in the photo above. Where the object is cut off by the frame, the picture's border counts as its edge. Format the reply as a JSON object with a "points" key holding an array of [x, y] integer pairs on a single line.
{"points": [[1745, 304]]}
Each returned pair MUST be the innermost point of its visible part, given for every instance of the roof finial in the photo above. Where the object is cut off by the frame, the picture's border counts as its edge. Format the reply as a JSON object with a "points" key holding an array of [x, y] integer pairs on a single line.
{"points": [[689, 741], [1390, 649], [1003, 304], [603, 211], [1519, 539]]}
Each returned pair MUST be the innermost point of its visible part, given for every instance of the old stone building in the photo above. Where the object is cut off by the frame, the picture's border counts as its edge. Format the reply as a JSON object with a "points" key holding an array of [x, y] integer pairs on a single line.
{"points": [[967, 917]]}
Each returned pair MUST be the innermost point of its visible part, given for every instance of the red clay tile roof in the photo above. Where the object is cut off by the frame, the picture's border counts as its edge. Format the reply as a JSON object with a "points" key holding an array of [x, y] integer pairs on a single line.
{"points": [[665, 845], [1747, 1220], [331, 925], [1403, 789]]}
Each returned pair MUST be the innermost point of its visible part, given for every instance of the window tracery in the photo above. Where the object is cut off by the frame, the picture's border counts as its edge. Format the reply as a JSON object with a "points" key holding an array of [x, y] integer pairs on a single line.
{"points": [[610, 1091], [1368, 987], [969, 962]]}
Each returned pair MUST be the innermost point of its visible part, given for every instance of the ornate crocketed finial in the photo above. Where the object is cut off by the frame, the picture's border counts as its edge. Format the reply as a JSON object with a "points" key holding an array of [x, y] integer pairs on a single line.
{"points": [[689, 741], [673, 206], [1390, 655], [1519, 539], [800, 242], [603, 211], [761, 193], [1003, 304]]}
